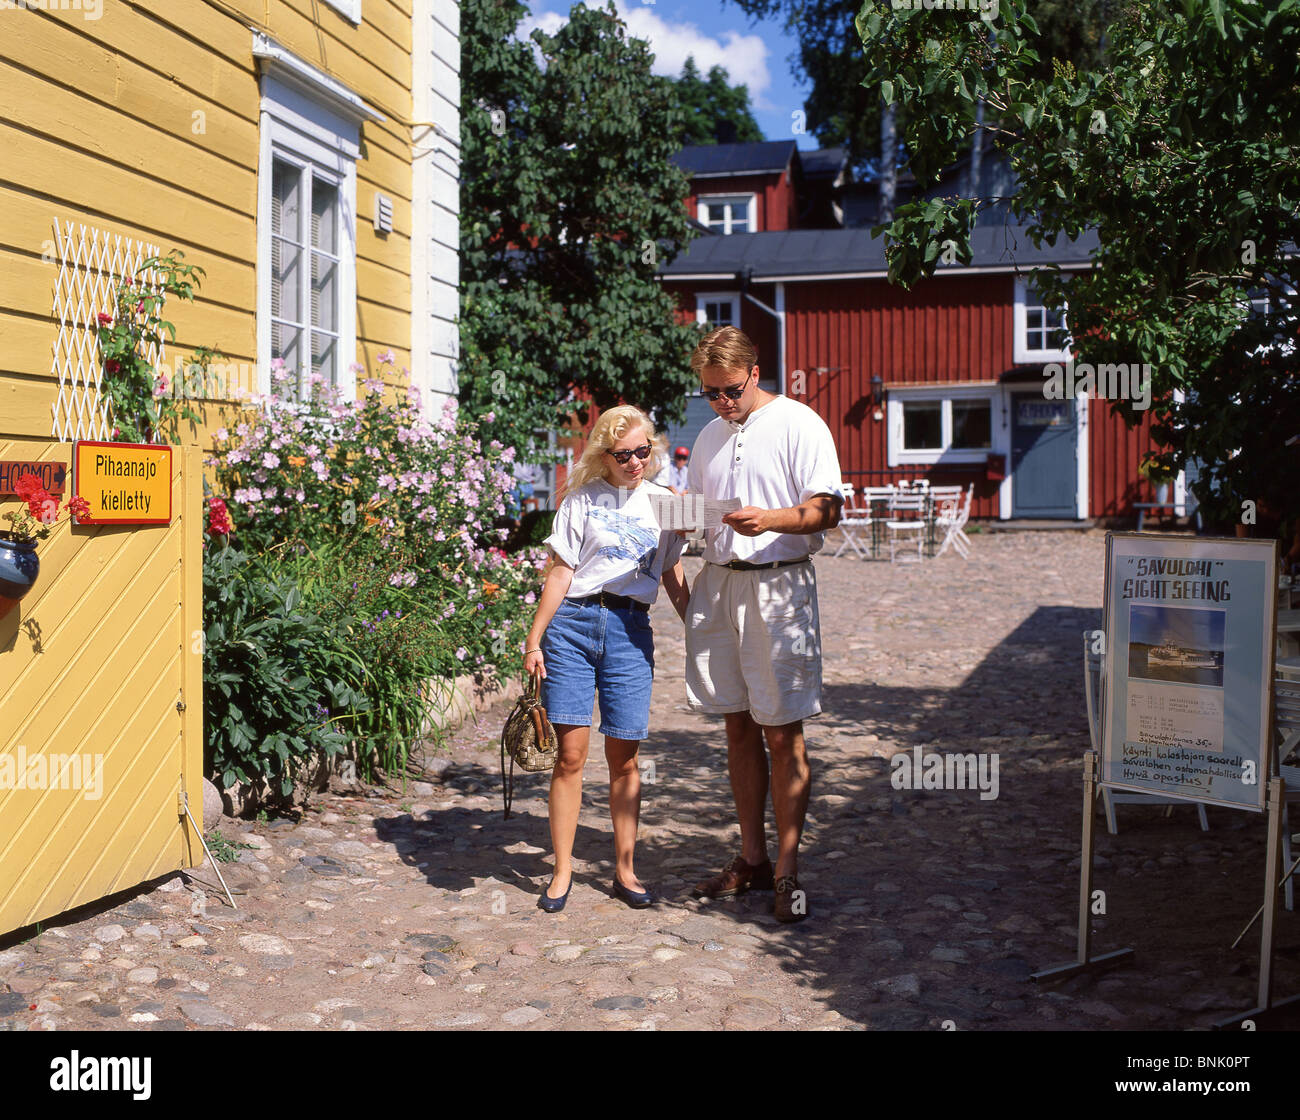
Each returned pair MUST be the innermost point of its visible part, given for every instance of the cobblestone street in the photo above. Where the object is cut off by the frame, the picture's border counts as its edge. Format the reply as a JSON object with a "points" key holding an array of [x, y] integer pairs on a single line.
{"points": [[928, 907]]}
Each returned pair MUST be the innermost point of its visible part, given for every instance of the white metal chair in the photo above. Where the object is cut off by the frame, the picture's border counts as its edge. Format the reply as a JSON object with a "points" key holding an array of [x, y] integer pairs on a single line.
{"points": [[855, 522], [1093, 683], [951, 521], [907, 529]]}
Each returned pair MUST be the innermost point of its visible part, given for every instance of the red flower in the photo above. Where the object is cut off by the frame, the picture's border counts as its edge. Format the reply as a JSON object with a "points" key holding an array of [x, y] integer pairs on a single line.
{"points": [[219, 522], [27, 485], [105, 320], [112, 365], [79, 507]]}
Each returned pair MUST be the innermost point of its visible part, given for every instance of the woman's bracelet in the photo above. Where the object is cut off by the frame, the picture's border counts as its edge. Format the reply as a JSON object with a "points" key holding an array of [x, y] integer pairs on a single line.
{"points": [[528, 651]]}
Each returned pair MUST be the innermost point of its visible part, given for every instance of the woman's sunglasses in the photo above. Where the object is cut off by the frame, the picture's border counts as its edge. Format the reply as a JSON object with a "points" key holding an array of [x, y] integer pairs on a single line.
{"points": [[624, 457]]}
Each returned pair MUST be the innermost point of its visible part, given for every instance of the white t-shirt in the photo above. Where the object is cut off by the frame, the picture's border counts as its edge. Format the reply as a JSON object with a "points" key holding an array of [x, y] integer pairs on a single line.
{"points": [[780, 457], [674, 475], [609, 536]]}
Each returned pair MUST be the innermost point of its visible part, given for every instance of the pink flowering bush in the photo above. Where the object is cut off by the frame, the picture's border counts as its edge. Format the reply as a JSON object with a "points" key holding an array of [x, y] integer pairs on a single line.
{"points": [[388, 520]]}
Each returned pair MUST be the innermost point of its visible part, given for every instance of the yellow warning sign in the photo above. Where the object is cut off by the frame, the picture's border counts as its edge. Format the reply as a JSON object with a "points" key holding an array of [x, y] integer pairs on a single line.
{"points": [[124, 483]]}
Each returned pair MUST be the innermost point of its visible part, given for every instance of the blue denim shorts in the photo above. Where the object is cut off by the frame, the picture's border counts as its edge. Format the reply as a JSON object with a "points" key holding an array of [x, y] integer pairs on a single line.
{"points": [[590, 649]]}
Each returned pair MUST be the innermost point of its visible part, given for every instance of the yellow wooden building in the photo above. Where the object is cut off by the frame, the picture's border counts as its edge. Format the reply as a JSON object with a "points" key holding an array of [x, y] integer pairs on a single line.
{"points": [[304, 153]]}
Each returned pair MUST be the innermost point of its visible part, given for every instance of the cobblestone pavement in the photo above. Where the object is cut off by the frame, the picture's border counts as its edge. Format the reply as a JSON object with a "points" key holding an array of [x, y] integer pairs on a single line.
{"points": [[929, 907]]}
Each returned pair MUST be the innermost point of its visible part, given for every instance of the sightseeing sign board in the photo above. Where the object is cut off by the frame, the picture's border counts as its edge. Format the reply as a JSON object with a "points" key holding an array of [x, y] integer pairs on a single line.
{"points": [[1189, 642], [124, 483]]}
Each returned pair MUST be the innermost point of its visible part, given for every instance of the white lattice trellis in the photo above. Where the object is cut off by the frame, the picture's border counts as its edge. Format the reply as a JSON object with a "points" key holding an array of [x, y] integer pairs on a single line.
{"points": [[92, 263]]}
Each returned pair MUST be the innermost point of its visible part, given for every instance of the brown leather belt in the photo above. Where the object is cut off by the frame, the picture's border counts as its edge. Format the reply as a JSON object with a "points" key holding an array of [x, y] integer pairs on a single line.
{"points": [[745, 566], [608, 599]]}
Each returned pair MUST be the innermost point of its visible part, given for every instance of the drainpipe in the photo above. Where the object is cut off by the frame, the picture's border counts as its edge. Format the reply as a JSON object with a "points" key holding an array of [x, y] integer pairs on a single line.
{"points": [[743, 279]]}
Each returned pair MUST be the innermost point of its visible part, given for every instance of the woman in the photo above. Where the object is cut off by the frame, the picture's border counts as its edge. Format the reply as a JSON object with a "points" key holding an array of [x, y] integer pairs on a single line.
{"points": [[592, 633]]}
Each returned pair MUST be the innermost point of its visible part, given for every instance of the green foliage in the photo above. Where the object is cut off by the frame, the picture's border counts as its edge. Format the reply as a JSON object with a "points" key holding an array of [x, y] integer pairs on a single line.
{"points": [[223, 850], [385, 522], [144, 407], [1180, 151], [713, 110], [569, 202], [279, 681]]}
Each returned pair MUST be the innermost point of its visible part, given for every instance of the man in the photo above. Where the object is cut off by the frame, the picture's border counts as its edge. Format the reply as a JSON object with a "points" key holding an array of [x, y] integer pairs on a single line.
{"points": [[753, 640], [676, 477]]}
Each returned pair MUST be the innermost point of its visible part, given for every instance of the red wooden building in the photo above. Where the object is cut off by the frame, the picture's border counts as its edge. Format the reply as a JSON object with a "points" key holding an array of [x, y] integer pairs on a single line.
{"points": [[945, 381]]}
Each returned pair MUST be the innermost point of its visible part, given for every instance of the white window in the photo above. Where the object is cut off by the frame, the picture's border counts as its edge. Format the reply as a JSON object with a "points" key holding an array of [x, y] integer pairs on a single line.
{"points": [[306, 269], [351, 9], [310, 133], [950, 425], [717, 309], [1041, 332], [729, 213]]}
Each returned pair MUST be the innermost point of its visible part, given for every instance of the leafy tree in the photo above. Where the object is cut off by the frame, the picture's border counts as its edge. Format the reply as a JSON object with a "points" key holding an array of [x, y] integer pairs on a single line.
{"points": [[569, 200], [716, 112], [843, 110], [1181, 153]]}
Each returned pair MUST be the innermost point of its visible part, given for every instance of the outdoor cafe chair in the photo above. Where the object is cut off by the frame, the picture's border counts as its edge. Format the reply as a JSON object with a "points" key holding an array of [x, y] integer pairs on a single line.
{"points": [[876, 499], [855, 521], [1286, 719], [951, 518], [905, 530], [1093, 683]]}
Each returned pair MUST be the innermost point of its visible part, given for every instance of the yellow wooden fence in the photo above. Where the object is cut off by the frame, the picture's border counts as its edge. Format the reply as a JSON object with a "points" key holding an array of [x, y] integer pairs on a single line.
{"points": [[101, 705]]}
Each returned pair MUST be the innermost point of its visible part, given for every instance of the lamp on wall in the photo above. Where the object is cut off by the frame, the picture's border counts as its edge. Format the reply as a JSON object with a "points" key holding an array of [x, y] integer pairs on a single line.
{"points": [[877, 395]]}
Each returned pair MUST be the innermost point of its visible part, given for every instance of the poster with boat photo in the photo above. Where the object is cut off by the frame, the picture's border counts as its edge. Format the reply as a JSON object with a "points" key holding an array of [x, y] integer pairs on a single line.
{"points": [[1188, 664]]}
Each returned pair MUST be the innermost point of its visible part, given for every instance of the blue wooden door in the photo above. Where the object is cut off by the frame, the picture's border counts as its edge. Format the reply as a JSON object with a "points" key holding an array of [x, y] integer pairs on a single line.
{"points": [[1044, 449]]}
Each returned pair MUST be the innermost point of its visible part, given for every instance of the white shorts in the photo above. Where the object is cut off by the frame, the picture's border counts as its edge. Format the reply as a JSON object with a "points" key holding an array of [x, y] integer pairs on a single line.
{"points": [[753, 643]]}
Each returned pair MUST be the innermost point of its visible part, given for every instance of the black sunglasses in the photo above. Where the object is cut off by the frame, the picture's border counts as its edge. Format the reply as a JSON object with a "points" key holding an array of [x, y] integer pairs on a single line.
{"points": [[733, 393], [624, 457]]}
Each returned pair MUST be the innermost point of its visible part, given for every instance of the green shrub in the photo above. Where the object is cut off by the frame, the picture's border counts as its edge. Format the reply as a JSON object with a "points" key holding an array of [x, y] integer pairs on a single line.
{"points": [[280, 682]]}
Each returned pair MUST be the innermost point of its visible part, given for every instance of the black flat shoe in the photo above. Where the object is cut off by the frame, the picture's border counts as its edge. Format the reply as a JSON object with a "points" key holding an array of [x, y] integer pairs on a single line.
{"points": [[554, 905], [638, 900]]}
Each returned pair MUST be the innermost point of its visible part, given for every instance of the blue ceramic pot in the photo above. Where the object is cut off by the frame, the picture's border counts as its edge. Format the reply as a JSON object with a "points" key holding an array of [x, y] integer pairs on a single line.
{"points": [[19, 567]]}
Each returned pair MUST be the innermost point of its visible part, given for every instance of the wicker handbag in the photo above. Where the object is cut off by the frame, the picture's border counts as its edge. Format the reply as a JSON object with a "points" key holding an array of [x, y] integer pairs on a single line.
{"points": [[528, 738]]}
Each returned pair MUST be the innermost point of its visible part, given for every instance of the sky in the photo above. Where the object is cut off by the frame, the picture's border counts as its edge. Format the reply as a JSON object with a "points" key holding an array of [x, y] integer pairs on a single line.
{"points": [[715, 33], [1190, 627]]}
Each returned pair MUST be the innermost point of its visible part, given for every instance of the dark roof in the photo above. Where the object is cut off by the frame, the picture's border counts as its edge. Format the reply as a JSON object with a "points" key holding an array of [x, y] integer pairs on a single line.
{"points": [[820, 252], [823, 163], [755, 158]]}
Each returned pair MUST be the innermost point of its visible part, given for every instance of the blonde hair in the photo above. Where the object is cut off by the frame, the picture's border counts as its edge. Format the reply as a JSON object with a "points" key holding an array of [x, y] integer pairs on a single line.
{"points": [[728, 347], [612, 426]]}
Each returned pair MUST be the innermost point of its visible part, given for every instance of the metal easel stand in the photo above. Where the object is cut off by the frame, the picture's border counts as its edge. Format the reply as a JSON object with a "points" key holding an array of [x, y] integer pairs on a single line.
{"points": [[1267, 1009], [1085, 962]]}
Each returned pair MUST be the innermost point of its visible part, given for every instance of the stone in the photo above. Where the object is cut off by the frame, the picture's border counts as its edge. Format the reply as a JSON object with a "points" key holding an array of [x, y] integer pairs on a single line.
{"points": [[212, 806], [351, 849], [106, 1010], [204, 1014], [908, 985], [147, 933], [267, 943], [460, 1019], [619, 1003], [524, 949], [11, 1003], [563, 953], [147, 975], [522, 1016], [108, 934], [192, 942], [439, 942]]}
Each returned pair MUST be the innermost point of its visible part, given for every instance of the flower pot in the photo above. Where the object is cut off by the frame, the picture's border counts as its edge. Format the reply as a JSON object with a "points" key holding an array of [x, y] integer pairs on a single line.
{"points": [[19, 567], [1162, 492]]}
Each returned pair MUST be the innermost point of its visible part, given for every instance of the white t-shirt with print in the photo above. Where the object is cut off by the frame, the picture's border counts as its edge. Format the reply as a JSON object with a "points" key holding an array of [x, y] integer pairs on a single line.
{"points": [[609, 536], [781, 456]]}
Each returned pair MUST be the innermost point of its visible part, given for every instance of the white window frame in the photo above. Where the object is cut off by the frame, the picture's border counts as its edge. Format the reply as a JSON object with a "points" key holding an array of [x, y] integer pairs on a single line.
{"points": [[731, 298], [348, 9], [1023, 355], [313, 121], [751, 209], [944, 396]]}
